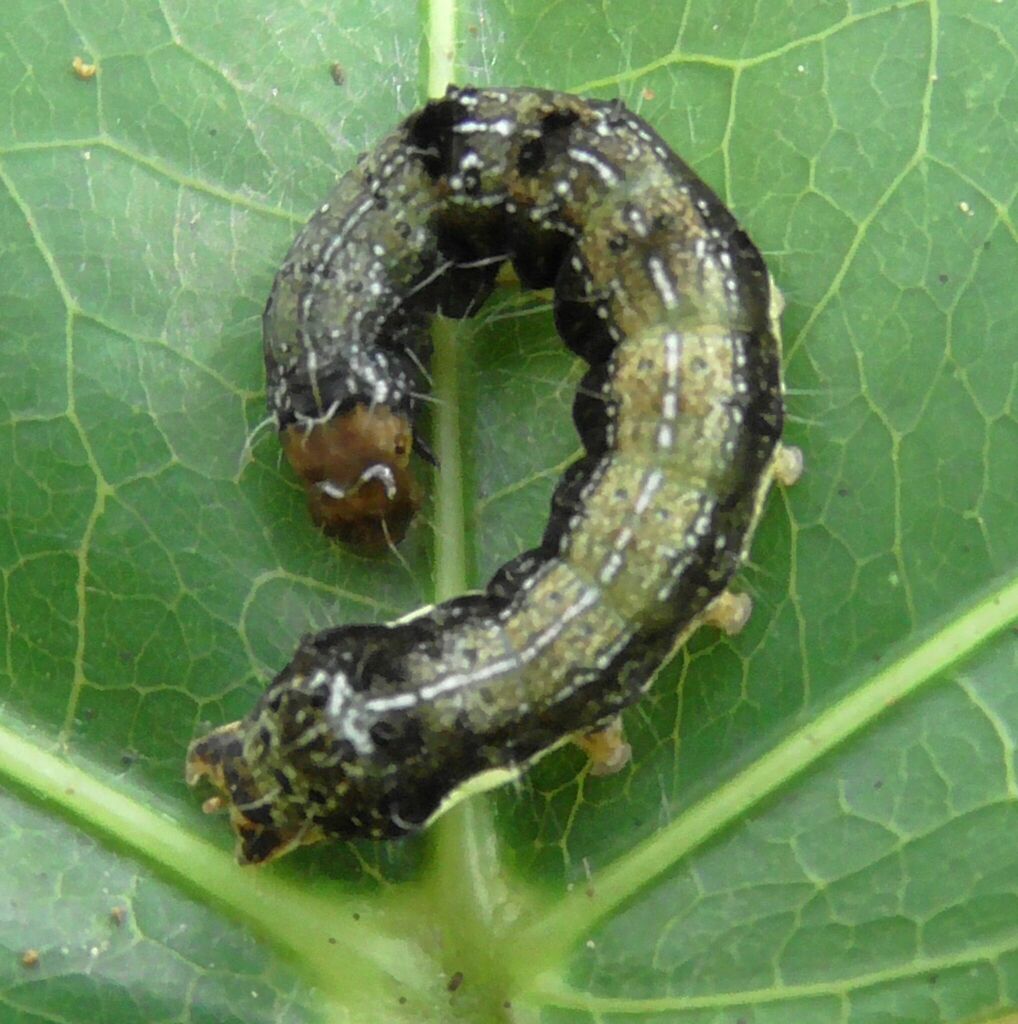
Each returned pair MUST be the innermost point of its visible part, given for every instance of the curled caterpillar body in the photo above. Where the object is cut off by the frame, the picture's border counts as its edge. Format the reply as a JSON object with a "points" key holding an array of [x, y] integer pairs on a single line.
{"points": [[369, 729]]}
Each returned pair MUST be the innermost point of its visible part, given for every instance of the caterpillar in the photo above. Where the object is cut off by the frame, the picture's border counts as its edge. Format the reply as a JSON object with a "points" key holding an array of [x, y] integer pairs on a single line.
{"points": [[370, 730]]}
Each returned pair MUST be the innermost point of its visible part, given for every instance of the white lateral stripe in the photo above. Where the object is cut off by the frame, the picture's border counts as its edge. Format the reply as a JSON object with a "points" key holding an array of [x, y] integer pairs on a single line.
{"points": [[604, 170], [662, 282], [461, 680], [651, 484]]}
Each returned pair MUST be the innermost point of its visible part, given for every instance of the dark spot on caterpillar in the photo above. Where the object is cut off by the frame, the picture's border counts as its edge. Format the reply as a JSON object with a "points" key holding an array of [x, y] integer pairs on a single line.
{"points": [[538, 251], [383, 732], [372, 729], [552, 142], [429, 135], [282, 781], [531, 158], [470, 275]]}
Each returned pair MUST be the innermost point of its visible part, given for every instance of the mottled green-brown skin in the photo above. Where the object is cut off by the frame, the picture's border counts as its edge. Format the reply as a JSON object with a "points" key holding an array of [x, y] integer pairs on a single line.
{"points": [[370, 728]]}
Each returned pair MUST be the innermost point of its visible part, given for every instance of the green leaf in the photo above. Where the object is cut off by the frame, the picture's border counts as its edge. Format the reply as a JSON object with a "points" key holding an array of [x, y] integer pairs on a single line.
{"points": [[819, 822]]}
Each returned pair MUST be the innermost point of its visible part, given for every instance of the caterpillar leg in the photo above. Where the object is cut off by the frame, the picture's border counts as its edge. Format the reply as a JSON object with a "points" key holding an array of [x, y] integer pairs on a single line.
{"points": [[788, 465], [729, 612], [606, 747], [777, 304]]}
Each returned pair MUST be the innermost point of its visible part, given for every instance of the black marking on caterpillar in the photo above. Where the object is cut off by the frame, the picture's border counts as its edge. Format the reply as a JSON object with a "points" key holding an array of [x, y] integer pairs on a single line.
{"points": [[371, 728]]}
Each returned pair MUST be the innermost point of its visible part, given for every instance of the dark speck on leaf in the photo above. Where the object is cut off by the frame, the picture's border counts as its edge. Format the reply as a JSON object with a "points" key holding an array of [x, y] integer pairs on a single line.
{"points": [[338, 73], [455, 981]]}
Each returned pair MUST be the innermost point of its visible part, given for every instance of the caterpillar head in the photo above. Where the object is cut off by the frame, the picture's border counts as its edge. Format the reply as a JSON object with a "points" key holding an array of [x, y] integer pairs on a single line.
{"points": [[355, 467], [328, 751], [265, 827]]}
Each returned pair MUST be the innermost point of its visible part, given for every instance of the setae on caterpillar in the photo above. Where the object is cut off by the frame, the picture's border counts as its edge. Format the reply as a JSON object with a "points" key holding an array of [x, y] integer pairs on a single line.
{"points": [[370, 728]]}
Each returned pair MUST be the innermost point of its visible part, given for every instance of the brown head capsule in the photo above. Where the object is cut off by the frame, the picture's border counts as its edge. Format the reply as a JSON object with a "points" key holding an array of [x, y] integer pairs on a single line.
{"points": [[355, 467]]}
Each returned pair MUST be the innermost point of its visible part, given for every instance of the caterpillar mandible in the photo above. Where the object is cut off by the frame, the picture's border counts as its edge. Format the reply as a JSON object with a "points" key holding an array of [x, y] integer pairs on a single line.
{"points": [[370, 728]]}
